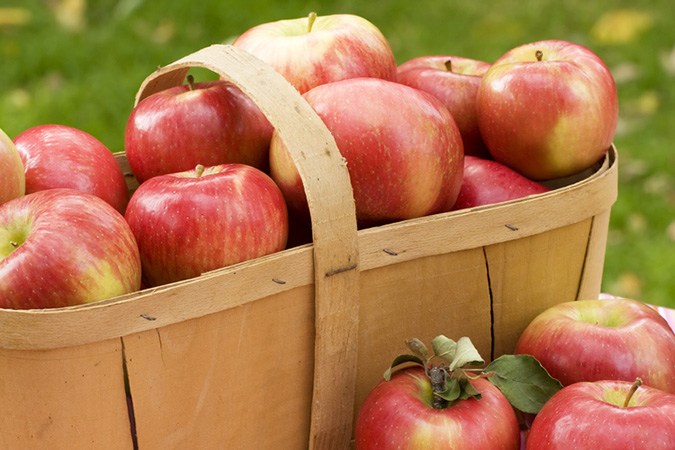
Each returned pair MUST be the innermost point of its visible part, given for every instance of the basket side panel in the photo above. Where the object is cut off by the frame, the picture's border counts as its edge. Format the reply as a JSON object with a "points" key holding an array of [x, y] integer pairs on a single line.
{"points": [[236, 379], [423, 298], [529, 275], [66, 398], [591, 279]]}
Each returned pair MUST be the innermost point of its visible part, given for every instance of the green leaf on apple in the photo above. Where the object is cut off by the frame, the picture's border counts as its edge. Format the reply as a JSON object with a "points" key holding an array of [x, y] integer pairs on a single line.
{"points": [[524, 381], [418, 348], [401, 359], [465, 354], [444, 347], [452, 391], [467, 390]]}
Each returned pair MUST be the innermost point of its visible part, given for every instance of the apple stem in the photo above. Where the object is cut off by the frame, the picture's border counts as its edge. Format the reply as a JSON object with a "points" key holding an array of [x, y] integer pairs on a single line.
{"points": [[191, 82], [437, 376], [448, 65], [539, 55], [199, 170], [14, 244], [633, 388], [310, 21]]}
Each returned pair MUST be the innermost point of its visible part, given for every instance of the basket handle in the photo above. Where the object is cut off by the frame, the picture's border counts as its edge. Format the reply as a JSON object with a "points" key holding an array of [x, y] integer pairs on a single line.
{"points": [[331, 204]]}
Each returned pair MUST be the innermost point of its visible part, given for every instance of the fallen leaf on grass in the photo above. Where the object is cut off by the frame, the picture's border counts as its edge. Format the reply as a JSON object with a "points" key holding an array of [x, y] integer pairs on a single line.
{"points": [[620, 26], [668, 62], [14, 16]]}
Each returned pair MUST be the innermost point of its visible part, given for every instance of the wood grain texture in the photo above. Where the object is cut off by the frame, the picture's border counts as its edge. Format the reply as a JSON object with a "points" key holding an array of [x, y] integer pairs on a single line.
{"points": [[63, 399]]}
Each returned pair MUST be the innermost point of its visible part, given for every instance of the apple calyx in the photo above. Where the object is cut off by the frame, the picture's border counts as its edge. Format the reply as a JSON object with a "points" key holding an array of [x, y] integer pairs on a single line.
{"points": [[636, 384], [539, 55], [310, 21], [521, 378]]}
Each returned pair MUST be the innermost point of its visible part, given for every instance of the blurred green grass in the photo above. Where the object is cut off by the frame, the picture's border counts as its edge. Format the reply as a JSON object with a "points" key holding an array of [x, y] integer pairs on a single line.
{"points": [[80, 63]]}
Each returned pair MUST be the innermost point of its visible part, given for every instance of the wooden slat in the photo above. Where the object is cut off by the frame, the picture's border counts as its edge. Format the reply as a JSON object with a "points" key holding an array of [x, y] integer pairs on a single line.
{"points": [[531, 274], [64, 399], [237, 379]]}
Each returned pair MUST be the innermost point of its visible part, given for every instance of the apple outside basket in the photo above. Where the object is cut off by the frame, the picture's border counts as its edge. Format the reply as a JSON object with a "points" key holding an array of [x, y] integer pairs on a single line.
{"points": [[280, 351]]}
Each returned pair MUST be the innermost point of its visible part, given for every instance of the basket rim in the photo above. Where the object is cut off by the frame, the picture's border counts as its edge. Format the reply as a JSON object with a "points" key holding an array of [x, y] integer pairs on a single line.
{"points": [[43, 328]]}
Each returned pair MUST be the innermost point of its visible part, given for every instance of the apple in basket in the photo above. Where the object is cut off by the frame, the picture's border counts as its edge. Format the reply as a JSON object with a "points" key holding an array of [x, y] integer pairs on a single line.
{"points": [[207, 123], [487, 182], [12, 176], [437, 406], [401, 146], [199, 220], [612, 339], [317, 50], [548, 109], [607, 415], [62, 247], [59, 156], [454, 80]]}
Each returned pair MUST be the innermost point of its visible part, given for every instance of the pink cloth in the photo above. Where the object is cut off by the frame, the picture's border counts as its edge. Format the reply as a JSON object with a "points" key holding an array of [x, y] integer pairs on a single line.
{"points": [[667, 313]]}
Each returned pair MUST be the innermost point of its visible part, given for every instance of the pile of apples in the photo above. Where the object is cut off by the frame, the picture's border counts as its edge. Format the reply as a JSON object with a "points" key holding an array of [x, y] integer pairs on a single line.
{"points": [[586, 375], [217, 185]]}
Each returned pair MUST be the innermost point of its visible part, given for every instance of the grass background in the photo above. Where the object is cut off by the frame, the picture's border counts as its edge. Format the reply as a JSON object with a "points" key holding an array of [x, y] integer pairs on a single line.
{"points": [[80, 63]]}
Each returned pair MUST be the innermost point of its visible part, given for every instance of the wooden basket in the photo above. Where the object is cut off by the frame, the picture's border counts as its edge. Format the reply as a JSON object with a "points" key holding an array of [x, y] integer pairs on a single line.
{"points": [[279, 352]]}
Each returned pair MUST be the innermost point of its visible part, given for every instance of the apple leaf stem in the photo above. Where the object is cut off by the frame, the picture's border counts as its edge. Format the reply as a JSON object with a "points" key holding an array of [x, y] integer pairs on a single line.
{"points": [[310, 21], [636, 384], [190, 82], [539, 55]]}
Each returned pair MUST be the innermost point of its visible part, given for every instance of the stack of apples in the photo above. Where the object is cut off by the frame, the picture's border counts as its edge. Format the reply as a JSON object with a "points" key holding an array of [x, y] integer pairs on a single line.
{"points": [[606, 380], [217, 185]]}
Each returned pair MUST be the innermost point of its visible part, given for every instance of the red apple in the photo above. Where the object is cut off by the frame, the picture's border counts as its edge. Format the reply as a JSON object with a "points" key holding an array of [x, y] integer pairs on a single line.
{"points": [[208, 123], [12, 176], [398, 414], [191, 222], [548, 109], [401, 145], [62, 247], [487, 182], [453, 80], [593, 415], [59, 156], [317, 50], [613, 339]]}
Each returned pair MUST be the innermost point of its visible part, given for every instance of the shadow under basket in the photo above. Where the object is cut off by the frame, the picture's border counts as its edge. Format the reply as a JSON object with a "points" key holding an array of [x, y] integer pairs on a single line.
{"points": [[280, 351]]}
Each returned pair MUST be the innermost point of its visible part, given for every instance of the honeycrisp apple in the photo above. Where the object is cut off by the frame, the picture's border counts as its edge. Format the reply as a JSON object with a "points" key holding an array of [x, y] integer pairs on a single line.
{"points": [[548, 109], [208, 123], [454, 80], [199, 220], [401, 145], [62, 247], [317, 50], [12, 176], [59, 156], [398, 414], [613, 339], [607, 415], [486, 182]]}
